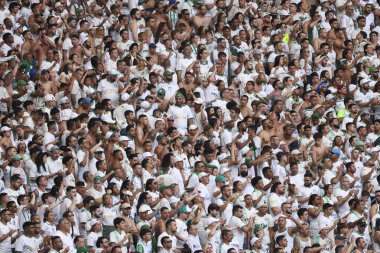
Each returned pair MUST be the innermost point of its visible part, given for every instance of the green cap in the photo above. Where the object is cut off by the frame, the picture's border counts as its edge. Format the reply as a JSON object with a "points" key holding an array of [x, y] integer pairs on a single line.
{"points": [[207, 128], [358, 148], [164, 187], [372, 69], [321, 165], [179, 94], [21, 83], [159, 137], [17, 158], [182, 209], [161, 91], [82, 249], [168, 73], [340, 237], [98, 178], [220, 178], [258, 228]]}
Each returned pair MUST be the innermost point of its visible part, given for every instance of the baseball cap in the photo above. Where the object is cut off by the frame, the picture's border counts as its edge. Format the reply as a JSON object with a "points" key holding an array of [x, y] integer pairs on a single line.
{"points": [[340, 237], [257, 51], [295, 152], [164, 187], [254, 239], [161, 91], [202, 174], [5, 128], [168, 73], [64, 100], [98, 178], [21, 83], [192, 127], [365, 80], [82, 250], [220, 178], [182, 209], [125, 205], [49, 97], [335, 151], [144, 208], [86, 100]]}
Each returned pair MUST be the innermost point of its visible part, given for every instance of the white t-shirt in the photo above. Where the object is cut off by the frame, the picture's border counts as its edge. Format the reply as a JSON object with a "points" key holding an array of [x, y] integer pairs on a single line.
{"points": [[5, 245], [238, 233], [116, 237]]}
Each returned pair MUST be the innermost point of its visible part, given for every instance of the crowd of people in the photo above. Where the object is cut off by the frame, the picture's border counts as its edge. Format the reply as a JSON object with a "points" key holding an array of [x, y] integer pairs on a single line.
{"points": [[188, 126]]}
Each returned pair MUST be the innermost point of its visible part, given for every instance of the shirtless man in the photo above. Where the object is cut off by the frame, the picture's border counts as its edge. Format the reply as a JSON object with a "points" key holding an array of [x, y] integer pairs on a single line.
{"points": [[318, 41], [161, 16], [142, 133], [318, 149], [200, 19], [27, 46], [334, 25], [136, 25], [244, 109], [42, 45], [77, 47], [339, 43], [267, 132], [46, 83]]}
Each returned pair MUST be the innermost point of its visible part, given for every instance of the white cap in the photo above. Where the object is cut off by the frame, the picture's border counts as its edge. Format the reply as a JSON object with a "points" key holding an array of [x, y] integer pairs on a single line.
{"points": [[5, 128], [94, 221], [113, 72], [253, 240], [109, 134], [146, 154], [90, 90], [222, 156], [49, 97], [366, 158], [295, 152], [145, 105], [144, 208], [178, 159], [123, 138], [100, 149], [98, 8], [125, 97], [374, 149], [107, 119], [225, 169], [192, 127], [199, 101], [64, 100], [365, 80], [57, 4], [202, 174], [330, 96]]}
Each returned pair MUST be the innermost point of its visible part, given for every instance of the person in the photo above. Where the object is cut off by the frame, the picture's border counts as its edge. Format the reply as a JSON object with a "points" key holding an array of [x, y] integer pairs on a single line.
{"points": [[159, 111]]}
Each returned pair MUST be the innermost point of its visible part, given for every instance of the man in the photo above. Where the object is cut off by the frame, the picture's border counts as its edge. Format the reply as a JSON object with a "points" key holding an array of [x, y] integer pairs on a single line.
{"points": [[201, 188], [54, 165], [6, 231], [276, 198], [57, 245], [225, 203], [144, 245], [64, 226], [242, 230], [181, 113], [168, 85], [171, 228], [119, 237], [15, 188], [27, 242], [227, 242], [344, 194]]}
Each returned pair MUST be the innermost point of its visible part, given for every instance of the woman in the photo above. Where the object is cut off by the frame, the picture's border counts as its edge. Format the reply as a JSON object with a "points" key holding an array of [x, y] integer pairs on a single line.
{"points": [[48, 225], [306, 60], [74, 230], [330, 198], [314, 209], [237, 190], [151, 187], [204, 62], [293, 192]]}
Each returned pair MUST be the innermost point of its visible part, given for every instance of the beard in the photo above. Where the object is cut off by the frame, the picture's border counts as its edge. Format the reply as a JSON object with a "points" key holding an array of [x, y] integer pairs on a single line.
{"points": [[244, 173]]}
